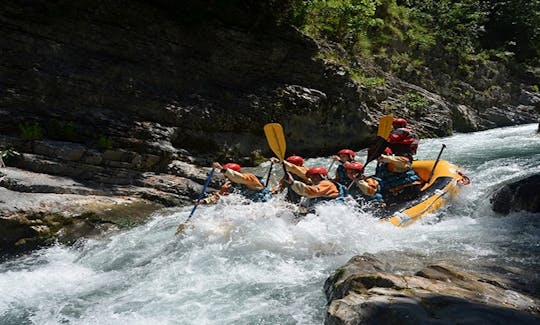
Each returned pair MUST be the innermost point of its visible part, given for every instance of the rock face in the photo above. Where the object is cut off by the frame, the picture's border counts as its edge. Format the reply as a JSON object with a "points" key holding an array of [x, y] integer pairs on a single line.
{"points": [[39, 209], [139, 84], [522, 195], [365, 292]]}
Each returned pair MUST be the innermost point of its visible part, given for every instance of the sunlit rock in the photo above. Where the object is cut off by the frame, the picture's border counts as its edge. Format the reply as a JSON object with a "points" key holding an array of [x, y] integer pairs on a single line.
{"points": [[366, 291]]}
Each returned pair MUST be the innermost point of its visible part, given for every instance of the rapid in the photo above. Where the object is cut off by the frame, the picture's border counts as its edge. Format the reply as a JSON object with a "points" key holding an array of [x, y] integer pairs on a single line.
{"points": [[254, 263]]}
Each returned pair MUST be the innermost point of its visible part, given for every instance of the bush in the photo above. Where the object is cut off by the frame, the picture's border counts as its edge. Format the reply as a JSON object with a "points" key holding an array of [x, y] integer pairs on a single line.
{"points": [[31, 131]]}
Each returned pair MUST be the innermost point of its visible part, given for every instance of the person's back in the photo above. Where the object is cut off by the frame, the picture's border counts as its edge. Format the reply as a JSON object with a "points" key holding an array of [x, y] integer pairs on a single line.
{"points": [[402, 140], [246, 184], [399, 182], [363, 189], [344, 156], [295, 165]]}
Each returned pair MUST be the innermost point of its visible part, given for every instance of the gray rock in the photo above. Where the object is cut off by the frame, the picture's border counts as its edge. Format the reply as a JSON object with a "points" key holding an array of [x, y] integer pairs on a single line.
{"points": [[364, 291], [521, 195]]}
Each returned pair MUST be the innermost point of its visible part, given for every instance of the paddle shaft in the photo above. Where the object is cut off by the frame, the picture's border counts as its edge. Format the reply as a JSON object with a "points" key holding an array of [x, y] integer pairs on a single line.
{"points": [[210, 175], [269, 173], [436, 162]]}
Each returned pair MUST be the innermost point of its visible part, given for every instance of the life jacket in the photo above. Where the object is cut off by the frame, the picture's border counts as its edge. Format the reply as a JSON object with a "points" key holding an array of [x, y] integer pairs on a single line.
{"points": [[357, 193], [393, 182], [343, 179], [253, 195], [403, 142]]}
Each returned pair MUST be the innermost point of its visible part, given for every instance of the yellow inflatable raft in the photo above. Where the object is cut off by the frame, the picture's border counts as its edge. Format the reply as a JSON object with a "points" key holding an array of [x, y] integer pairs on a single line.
{"points": [[446, 180]]}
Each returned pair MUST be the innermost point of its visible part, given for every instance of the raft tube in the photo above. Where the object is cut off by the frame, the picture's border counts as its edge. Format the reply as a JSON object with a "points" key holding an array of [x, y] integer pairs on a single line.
{"points": [[443, 186]]}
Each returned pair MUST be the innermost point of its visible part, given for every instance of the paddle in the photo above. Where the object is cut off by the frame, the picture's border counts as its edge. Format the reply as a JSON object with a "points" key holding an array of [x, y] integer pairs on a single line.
{"points": [[435, 165], [269, 173], [376, 149], [276, 141], [183, 225]]}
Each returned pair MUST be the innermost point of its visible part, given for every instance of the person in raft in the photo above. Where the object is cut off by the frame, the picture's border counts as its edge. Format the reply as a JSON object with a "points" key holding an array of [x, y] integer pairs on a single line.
{"points": [[343, 156], [320, 190], [246, 184], [402, 140], [399, 182], [295, 165], [363, 189]]}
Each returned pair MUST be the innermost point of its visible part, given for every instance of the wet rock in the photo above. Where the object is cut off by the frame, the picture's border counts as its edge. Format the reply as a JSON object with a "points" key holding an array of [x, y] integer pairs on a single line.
{"points": [[365, 291], [522, 195]]}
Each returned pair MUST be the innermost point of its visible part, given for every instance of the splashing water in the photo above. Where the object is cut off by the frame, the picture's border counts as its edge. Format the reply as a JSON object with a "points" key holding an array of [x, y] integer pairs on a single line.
{"points": [[256, 264]]}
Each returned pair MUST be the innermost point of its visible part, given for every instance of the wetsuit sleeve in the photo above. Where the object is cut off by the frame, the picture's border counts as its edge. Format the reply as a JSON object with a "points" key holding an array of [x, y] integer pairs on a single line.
{"points": [[247, 179], [298, 171], [368, 186], [323, 189], [396, 164]]}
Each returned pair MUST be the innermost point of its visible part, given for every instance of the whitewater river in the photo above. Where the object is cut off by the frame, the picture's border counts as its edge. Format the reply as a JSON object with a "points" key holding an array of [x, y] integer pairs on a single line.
{"points": [[251, 264]]}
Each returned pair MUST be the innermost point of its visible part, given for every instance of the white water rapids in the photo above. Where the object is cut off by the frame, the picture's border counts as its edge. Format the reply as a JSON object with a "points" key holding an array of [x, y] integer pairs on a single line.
{"points": [[251, 264]]}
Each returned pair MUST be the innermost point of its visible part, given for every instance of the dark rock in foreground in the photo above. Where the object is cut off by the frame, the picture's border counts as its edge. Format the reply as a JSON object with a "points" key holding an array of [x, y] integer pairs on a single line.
{"points": [[522, 195], [364, 291]]}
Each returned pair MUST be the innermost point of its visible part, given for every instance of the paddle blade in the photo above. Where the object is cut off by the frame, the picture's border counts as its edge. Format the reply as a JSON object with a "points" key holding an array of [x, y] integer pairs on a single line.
{"points": [[385, 126], [276, 139]]}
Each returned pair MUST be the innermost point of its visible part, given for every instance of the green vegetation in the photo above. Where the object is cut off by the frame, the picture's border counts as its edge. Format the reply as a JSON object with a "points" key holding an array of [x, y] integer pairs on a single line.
{"points": [[31, 131], [104, 142], [62, 130]]}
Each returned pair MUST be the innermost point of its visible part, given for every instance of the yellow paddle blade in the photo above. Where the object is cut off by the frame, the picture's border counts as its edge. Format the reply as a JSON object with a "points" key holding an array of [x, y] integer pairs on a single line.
{"points": [[276, 139], [385, 126]]}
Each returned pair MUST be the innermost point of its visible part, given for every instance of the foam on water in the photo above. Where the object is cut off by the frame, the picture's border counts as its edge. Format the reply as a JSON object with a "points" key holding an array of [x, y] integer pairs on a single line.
{"points": [[254, 263]]}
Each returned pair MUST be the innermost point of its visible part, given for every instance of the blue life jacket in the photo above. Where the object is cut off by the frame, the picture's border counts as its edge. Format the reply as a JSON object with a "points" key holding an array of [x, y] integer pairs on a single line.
{"points": [[343, 179], [391, 180]]}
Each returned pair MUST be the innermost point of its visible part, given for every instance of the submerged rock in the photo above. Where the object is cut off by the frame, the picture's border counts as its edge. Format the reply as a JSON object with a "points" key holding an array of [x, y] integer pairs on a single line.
{"points": [[365, 291], [522, 195]]}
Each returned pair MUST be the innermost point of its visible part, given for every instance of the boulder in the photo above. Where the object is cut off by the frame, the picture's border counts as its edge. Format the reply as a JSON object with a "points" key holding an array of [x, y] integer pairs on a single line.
{"points": [[518, 196], [364, 291]]}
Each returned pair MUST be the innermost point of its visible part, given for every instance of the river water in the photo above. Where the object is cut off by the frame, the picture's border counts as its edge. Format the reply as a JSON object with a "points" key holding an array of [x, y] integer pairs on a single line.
{"points": [[252, 263]]}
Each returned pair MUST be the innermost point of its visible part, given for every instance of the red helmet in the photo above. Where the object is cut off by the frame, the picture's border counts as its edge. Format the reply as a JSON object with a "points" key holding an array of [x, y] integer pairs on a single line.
{"points": [[316, 171], [296, 160], [354, 166], [346, 152], [233, 166], [399, 123]]}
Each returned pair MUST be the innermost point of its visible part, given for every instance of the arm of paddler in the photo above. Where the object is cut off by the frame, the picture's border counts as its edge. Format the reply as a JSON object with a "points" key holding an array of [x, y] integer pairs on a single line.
{"points": [[368, 186], [247, 179], [299, 171], [324, 188], [396, 164]]}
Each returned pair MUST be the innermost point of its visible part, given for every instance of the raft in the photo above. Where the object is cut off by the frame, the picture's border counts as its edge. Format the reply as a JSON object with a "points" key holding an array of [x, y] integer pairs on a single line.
{"points": [[443, 186]]}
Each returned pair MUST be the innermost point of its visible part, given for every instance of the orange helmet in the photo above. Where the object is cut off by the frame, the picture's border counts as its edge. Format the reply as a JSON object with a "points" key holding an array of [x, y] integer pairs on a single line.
{"points": [[354, 166], [296, 160], [346, 152], [399, 123], [317, 171], [233, 166]]}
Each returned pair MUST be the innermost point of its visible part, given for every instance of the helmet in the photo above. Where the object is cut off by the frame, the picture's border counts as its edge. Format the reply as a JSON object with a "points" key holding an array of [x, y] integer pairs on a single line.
{"points": [[296, 160], [354, 166], [346, 152], [233, 166], [316, 171], [399, 123]]}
